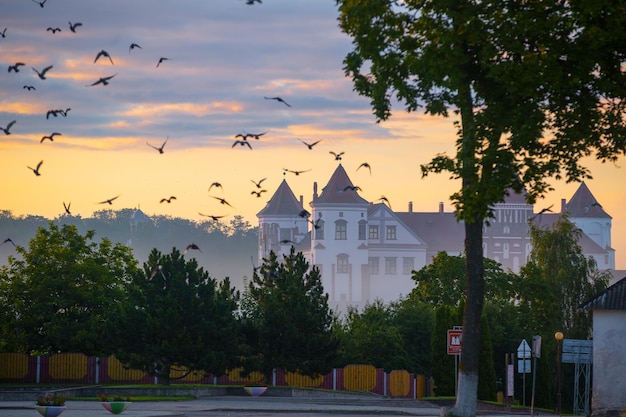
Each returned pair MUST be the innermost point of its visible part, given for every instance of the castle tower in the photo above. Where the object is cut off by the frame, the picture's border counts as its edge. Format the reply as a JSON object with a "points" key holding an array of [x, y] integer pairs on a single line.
{"points": [[280, 223], [589, 216], [339, 240]]}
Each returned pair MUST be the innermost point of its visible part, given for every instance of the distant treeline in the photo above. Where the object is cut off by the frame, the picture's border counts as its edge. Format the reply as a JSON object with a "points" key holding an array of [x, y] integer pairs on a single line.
{"points": [[228, 249]]}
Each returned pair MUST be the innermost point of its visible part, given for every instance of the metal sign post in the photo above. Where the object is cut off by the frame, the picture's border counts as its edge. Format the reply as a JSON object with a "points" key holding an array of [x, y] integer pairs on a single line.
{"points": [[454, 344], [523, 365]]}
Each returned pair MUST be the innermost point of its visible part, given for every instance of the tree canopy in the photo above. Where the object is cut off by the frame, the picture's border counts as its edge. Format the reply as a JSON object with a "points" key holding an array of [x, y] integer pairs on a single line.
{"points": [[535, 87], [178, 318], [290, 325], [62, 288]]}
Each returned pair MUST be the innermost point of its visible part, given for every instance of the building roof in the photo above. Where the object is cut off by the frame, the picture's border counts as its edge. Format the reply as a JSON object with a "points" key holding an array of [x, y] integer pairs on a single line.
{"points": [[587, 244], [338, 190], [283, 202], [440, 231], [613, 298], [584, 204]]}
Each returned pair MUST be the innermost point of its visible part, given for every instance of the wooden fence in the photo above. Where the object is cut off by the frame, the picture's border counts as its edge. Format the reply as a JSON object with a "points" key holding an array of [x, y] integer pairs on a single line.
{"points": [[76, 368]]}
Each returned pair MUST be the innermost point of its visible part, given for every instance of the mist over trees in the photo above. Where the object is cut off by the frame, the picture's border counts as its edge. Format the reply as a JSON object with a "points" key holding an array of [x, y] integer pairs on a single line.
{"points": [[228, 247]]}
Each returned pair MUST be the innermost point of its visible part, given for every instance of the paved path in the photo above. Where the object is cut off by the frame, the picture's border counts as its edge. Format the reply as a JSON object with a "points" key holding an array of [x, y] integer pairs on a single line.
{"points": [[232, 404], [241, 406]]}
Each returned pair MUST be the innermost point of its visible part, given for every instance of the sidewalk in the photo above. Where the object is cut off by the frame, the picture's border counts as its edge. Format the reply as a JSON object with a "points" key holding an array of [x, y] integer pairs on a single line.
{"points": [[230, 403]]}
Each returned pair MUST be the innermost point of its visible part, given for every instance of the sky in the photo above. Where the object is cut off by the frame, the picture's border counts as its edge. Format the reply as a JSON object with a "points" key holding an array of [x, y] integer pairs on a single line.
{"points": [[224, 58]]}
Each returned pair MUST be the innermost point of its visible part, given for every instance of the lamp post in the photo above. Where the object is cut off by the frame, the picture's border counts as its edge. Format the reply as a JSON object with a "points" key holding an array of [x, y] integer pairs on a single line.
{"points": [[559, 339]]}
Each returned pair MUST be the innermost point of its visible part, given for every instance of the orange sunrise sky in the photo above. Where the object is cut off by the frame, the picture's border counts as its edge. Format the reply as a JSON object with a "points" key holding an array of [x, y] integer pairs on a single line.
{"points": [[224, 60]]}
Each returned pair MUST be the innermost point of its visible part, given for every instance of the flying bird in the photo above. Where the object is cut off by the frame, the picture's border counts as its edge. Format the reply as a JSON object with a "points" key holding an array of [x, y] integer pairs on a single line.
{"points": [[53, 30], [36, 170], [64, 112], [133, 46], [352, 188], [8, 240], [29, 87], [73, 26], [4, 33], [191, 246], [168, 200], [543, 210], [256, 135], [51, 112], [155, 271], [216, 184], [286, 241], [258, 193], [278, 99], [295, 172], [251, 2], [7, 129], [42, 74], [383, 198], [161, 60], [310, 145], [50, 137], [242, 143], [258, 184], [67, 208], [40, 3], [304, 214], [214, 218], [160, 149], [105, 54], [365, 165], [316, 224], [337, 155], [222, 201], [109, 201], [16, 67], [103, 81]]}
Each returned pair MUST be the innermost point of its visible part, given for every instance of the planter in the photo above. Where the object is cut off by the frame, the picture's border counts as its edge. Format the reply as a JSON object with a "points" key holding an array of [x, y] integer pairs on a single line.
{"points": [[50, 410], [255, 391], [116, 407]]}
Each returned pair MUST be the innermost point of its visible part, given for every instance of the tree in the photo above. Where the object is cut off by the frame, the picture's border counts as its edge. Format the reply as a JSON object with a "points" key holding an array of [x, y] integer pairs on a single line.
{"points": [[557, 266], [178, 318], [288, 321], [62, 294], [536, 87], [372, 337], [446, 317]]}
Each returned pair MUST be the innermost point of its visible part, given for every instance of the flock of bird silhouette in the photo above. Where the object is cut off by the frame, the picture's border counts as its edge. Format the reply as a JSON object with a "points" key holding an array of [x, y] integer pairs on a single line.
{"points": [[241, 139]]}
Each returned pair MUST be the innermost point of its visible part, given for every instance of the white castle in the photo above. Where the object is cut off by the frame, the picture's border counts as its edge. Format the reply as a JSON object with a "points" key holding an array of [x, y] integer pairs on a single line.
{"points": [[366, 251]]}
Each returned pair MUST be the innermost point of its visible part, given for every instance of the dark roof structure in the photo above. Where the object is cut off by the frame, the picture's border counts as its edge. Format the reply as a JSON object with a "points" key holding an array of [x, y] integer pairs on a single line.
{"points": [[613, 298], [339, 190], [584, 204], [283, 202]]}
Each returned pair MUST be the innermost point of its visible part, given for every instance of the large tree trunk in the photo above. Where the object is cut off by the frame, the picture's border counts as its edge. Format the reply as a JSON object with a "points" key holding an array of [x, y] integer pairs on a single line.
{"points": [[470, 350]]}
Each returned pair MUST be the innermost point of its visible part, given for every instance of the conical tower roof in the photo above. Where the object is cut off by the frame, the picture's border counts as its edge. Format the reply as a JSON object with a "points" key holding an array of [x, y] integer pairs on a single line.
{"points": [[282, 203], [584, 204], [339, 190]]}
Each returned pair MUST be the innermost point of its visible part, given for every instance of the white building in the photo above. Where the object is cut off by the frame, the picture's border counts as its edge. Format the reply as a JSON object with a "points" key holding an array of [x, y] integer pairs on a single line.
{"points": [[366, 251]]}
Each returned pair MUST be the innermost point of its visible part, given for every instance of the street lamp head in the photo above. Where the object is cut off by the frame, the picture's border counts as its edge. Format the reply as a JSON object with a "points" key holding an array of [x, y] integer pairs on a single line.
{"points": [[558, 336]]}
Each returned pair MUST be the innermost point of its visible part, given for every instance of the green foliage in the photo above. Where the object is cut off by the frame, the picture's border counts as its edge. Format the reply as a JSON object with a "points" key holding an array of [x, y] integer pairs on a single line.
{"points": [[61, 293], [442, 364], [372, 337], [287, 320], [487, 387], [415, 322], [558, 268], [178, 318]]}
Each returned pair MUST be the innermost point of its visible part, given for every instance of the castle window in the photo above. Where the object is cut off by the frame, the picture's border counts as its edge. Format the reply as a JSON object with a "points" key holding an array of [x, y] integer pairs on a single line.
{"points": [[390, 266], [342, 263], [373, 232], [319, 230], [341, 230], [391, 233], [285, 234], [505, 251], [506, 230], [362, 224], [373, 265], [408, 264]]}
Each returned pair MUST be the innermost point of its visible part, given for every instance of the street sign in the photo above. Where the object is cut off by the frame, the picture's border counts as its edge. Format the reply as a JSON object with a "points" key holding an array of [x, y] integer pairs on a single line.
{"points": [[455, 341], [537, 346], [523, 366], [523, 350]]}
